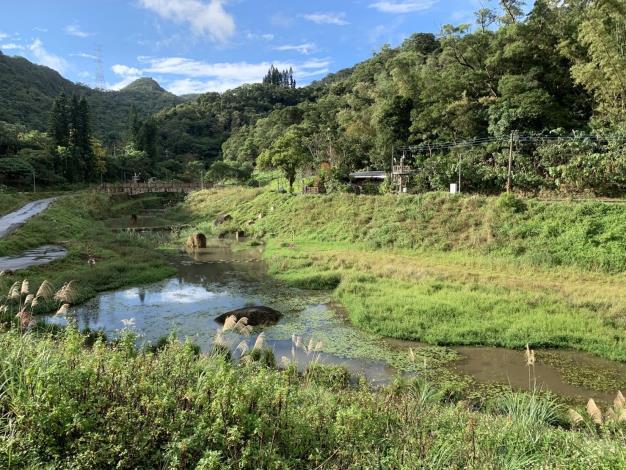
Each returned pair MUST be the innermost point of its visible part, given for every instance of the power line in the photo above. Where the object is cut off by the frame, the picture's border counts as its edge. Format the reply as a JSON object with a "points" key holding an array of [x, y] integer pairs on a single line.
{"points": [[482, 141]]}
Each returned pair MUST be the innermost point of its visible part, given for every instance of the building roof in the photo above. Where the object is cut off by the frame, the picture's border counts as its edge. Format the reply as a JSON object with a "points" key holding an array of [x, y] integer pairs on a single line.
{"points": [[368, 175]]}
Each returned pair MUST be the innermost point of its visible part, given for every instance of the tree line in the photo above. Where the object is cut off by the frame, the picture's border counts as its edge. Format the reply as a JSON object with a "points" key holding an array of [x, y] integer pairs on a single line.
{"points": [[557, 70]]}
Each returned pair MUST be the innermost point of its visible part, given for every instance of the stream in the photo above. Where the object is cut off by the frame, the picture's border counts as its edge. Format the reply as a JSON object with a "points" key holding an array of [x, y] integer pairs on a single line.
{"points": [[219, 279]]}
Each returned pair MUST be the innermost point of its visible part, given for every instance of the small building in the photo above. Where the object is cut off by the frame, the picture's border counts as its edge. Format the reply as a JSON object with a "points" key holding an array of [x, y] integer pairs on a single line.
{"points": [[365, 179], [376, 176]]}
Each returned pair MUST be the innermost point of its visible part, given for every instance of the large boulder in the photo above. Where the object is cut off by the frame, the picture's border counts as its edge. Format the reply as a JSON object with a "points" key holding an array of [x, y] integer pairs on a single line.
{"points": [[257, 316], [197, 240]]}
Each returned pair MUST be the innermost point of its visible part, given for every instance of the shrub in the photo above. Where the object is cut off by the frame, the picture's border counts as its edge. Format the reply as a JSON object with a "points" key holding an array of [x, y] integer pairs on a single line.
{"points": [[510, 202]]}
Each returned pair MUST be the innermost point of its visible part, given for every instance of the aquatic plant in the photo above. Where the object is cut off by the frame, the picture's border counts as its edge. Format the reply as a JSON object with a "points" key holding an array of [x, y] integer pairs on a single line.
{"points": [[529, 355]]}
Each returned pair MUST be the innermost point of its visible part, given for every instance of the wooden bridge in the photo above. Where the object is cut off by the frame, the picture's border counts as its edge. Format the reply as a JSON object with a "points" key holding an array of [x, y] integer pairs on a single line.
{"points": [[152, 187]]}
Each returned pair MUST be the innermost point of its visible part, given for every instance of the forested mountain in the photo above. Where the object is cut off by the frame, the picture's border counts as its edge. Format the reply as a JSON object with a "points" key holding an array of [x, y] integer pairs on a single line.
{"points": [[27, 92], [199, 128], [539, 79], [544, 90]]}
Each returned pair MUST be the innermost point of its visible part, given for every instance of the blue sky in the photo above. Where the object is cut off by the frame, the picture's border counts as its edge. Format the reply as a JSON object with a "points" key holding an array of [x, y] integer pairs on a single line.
{"points": [[193, 46]]}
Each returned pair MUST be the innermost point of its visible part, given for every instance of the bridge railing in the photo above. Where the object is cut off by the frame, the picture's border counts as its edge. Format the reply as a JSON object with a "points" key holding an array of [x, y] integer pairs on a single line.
{"points": [[152, 187]]}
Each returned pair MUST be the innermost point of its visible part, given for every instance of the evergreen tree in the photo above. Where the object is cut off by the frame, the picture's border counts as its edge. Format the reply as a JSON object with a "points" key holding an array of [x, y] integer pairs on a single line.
{"points": [[277, 78], [147, 138], [59, 122], [83, 140]]}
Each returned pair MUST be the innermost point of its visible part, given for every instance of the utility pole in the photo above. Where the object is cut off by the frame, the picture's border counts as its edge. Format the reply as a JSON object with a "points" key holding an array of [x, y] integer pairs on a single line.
{"points": [[34, 186], [460, 172], [508, 178]]}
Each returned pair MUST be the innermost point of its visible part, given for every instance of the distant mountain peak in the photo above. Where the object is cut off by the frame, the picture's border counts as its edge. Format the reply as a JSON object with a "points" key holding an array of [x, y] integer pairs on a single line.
{"points": [[144, 84]]}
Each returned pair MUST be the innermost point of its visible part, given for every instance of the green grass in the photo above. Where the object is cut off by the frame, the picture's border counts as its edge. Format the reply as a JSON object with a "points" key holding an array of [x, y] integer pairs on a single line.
{"points": [[448, 270], [66, 405], [591, 235], [75, 222]]}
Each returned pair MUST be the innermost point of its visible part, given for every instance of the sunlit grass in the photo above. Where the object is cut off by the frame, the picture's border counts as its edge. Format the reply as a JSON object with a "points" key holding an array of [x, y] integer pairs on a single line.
{"points": [[449, 270]]}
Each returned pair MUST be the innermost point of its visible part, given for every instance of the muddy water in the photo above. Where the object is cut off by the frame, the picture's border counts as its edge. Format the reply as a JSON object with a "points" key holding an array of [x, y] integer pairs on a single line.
{"points": [[506, 366], [14, 220], [217, 280]]}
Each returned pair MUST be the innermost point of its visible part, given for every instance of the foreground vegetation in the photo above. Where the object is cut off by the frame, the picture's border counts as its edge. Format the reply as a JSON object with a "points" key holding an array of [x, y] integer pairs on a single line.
{"points": [[447, 270], [66, 405], [77, 222]]}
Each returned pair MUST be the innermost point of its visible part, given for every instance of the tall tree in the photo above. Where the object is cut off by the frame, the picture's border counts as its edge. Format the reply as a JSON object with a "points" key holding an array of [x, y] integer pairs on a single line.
{"points": [[602, 67], [60, 122], [147, 139], [288, 154], [84, 140]]}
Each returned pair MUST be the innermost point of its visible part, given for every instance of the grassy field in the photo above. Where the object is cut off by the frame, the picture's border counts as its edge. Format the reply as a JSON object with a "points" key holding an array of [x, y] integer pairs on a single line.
{"points": [[448, 270], [78, 222], [68, 403]]}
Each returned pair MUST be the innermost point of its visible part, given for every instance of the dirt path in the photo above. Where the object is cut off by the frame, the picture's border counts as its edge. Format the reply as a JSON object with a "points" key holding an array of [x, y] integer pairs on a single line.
{"points": [[12, 221], [34, 257]]}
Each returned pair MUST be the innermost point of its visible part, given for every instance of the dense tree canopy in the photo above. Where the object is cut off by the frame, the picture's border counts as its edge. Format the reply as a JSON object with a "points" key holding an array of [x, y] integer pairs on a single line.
{"points": [[545, 87], [543, 75]]}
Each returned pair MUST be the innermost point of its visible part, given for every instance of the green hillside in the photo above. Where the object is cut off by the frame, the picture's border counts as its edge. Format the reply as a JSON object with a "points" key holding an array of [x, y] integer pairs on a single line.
{"points": [[549, 81], [200, 127], [27, 92], [444, 269]]}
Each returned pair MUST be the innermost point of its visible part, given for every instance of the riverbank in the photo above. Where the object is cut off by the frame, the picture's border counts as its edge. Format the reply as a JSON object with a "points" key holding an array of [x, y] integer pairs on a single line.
{"points": [[71, 400], [447, 270], [78, 223]]}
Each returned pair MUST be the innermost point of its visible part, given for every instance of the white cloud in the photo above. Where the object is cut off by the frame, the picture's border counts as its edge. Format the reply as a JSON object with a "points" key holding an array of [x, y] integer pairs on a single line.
{"points": [[125, 71], [43, 57], [3, 35], [305, 49], [84, 55], [192, 76], [74, 30], [128, 74], [327, 18], [189, 86], [403, 6], [208, 19], [10, 46]]}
